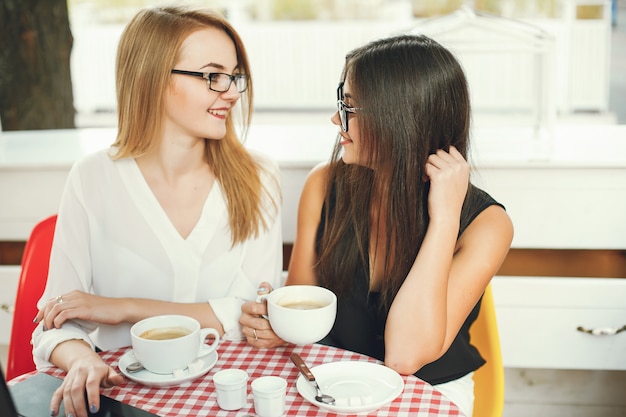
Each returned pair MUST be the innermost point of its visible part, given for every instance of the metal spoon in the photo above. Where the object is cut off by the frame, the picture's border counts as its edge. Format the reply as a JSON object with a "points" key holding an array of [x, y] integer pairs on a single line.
{"points": [[134, 367], [306, 372]]}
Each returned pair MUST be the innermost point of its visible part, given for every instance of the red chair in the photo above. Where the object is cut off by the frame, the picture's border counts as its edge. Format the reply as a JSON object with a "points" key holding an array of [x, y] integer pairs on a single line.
{"points": [[33, 277]]}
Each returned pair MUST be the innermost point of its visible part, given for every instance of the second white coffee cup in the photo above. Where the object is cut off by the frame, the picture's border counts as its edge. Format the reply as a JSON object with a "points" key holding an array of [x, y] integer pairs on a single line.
{"points": [[269, 396], [166, 343], [301, 314]]}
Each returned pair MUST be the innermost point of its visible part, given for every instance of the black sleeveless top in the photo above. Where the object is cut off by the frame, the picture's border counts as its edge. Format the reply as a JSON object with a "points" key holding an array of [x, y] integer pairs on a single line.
{"points": [[360, 323]]}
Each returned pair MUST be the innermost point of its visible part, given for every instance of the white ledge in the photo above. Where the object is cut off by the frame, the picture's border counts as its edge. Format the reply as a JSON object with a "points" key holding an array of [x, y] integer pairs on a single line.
{"points": [[303, 146]]}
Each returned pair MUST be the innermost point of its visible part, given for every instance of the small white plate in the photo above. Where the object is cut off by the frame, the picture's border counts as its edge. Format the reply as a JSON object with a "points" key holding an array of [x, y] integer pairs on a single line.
{"points": [[358, 387], [159, 380]]}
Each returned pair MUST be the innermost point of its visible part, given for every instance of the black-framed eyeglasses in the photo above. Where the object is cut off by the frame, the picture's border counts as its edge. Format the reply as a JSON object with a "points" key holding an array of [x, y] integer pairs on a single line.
{"points": [[343, 109], [219, 81]]}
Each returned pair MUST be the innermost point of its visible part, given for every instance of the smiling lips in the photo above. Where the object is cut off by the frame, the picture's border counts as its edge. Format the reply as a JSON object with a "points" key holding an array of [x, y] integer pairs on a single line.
{"points": [[345, 140], [220, 113]]}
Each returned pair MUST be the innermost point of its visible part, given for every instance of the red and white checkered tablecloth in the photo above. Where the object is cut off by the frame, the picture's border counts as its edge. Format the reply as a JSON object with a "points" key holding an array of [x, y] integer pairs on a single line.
{"points": [[198, 397]]}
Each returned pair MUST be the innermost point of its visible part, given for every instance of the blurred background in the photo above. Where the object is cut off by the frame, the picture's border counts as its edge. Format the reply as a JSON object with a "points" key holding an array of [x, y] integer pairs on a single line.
{"points": [[530, 63], [538, 62]]}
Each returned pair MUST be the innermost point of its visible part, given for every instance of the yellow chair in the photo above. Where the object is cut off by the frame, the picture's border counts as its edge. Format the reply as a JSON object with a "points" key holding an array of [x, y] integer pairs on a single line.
{"points": [[489, 378]]}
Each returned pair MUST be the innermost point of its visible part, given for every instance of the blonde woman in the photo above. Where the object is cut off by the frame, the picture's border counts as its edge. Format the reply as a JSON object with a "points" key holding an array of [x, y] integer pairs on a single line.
{"points": [[177, 217]]}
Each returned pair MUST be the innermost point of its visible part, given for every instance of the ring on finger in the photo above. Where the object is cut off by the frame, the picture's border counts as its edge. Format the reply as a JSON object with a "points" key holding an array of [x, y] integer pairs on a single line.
{"points": [[254, 334], [59, 299]]}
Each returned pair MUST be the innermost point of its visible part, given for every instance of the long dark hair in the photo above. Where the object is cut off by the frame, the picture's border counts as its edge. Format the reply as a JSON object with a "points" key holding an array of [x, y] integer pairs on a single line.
{"points": [[413, 99]]}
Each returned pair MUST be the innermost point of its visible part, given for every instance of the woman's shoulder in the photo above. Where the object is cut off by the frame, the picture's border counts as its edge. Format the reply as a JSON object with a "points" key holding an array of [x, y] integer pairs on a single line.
{"points": [[485, 212], [314, 188], [477, 201], [269, 174], [95, 160], [319, 172], [316, 178]]}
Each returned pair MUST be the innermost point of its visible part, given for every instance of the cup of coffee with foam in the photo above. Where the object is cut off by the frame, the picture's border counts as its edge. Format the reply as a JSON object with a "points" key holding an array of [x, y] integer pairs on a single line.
{"points": [[166, 343], [301, 314]]}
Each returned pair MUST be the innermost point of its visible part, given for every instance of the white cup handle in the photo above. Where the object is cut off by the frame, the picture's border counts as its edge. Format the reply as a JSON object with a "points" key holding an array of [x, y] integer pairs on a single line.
{"points": [[260, 299], [205, 348]]}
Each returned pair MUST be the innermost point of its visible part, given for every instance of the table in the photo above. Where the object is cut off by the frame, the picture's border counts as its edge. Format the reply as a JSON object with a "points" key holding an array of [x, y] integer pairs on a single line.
{"points": [[198, 397]]}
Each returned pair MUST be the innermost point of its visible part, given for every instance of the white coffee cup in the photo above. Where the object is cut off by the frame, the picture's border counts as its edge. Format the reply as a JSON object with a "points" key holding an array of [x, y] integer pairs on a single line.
{"points": [[231, 386], [269, 396], [301, 314], [166, 343]]}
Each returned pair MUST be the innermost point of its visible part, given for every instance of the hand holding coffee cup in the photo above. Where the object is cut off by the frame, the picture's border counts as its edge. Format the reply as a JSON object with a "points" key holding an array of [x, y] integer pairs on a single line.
{"points": [[301, 314], [166, 343]]}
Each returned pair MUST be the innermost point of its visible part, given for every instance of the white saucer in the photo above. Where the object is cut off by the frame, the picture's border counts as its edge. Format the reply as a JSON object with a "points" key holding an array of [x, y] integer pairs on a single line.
{"points": [[358, 387], [158, 380]]}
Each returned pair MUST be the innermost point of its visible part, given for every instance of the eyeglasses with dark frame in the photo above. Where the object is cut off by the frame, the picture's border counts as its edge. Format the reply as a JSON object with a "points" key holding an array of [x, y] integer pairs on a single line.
{"points": [[343, 109], [218, 81]]}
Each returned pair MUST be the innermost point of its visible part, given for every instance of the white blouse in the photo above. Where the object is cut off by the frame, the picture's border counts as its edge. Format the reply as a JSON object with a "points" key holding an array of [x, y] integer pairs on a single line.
{"points": [[114, 239]]}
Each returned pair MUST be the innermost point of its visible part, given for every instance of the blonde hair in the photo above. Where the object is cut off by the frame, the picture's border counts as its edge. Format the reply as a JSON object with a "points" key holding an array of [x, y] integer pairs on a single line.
{"points": [[147, 51]]}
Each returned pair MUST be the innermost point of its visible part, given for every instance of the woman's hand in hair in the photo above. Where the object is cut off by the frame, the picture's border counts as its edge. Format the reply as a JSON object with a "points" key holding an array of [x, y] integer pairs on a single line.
{"points": [[448, 173]]}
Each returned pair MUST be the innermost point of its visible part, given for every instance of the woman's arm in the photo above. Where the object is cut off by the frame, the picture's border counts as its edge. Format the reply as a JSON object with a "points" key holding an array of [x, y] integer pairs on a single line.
{"points": [[86, 373], [107, 310], [448, 276], [303, 255], [257, 329]]}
